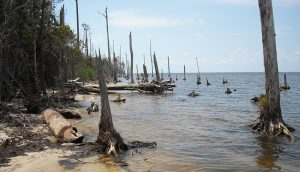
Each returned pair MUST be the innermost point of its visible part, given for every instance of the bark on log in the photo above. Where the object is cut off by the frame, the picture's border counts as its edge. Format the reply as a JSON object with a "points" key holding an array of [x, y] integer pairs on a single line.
{"points": [[63, 130]]}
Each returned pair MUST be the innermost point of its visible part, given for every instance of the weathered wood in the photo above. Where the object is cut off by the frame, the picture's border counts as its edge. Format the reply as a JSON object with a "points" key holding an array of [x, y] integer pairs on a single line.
{"points": [[108, 43], [137, 73], [184, 78], [131, 55], [77, 16], [198, 74], [145, 76], [285, 85], [270, 120], [63, 130], [156, 68], [108, 138]]}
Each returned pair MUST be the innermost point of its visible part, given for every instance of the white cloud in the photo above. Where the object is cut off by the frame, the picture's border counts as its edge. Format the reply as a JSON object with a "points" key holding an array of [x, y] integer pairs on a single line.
{"points": [[131, 18]]}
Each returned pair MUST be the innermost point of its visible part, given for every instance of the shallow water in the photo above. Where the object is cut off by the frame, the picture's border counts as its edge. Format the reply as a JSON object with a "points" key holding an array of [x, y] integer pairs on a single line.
{"points": [[204, 133]]}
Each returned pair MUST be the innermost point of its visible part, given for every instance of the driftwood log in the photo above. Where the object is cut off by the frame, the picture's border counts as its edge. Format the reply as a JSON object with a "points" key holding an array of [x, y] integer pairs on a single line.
{"points": [[63, 130]]}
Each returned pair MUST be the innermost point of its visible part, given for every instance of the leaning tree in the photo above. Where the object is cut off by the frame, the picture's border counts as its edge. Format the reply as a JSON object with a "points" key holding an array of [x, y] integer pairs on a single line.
{"points": [[270, 121], [108, 138]]}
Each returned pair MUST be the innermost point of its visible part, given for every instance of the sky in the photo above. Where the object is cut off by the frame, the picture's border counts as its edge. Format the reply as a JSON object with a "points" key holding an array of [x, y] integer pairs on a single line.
{"points": [[224, 35]]}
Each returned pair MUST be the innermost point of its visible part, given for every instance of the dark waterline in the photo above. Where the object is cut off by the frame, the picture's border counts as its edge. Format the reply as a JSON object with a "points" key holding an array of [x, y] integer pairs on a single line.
{"points": [[204, 133]]}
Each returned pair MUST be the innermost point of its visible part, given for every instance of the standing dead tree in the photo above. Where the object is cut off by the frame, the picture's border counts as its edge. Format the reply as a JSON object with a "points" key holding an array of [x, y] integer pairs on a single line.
{"points": [[198, 74], [270, 121], [109, 140], [156, 68], [145, 76], [131, 64], [184, 78], [108, 45], [285, 85], [77, 15], [137, 73]]}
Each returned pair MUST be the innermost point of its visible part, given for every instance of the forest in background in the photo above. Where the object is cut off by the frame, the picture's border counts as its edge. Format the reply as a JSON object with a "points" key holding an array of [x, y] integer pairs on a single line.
{"points": [[38, 51]]}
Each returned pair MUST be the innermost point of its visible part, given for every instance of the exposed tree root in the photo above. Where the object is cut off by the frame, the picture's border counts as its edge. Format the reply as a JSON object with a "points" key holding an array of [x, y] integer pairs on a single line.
{"points": [[111, 142], [261, 127]]}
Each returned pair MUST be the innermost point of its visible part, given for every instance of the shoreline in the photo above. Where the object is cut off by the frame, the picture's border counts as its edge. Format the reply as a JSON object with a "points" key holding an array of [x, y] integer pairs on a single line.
{"points": [[26, 143]]}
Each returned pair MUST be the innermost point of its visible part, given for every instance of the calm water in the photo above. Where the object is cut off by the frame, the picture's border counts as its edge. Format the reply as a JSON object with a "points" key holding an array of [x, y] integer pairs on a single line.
{"points": [[204, 133]]}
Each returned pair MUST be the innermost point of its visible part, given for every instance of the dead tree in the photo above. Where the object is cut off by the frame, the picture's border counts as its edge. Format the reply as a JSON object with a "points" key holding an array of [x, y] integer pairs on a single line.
{"points": [[127, 67], [198, 74], [270, 121], [77, 15], [145, 76], [131, 54], [137, 73], [62, 16], [109, 140], [184, 78], [145, 73], [115, 77], [285, 85], [108, 45], [156, 68]]}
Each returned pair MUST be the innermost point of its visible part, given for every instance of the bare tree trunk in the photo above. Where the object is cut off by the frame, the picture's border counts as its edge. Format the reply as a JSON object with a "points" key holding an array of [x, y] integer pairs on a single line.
{"points": [[137, 73], [285, 81], [145, 73], [184, 78], [127, 67], [271, 121], [131, 54], [108, 138], [115, 68], [77, 15], [156, 68], [108, 44], [62, 16]]}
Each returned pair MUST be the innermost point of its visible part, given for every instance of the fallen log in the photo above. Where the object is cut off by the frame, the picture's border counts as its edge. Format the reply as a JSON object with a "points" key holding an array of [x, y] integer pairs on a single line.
{"points": [[68, 113], [63, 130]]}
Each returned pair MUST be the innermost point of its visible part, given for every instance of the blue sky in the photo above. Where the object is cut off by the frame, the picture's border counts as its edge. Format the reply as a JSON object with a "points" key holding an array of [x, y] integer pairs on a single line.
{"points": [[225, 35]]}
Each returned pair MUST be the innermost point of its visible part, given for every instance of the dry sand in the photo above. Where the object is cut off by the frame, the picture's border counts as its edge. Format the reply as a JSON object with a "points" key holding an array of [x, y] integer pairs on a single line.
{"points": [[59, 160]]}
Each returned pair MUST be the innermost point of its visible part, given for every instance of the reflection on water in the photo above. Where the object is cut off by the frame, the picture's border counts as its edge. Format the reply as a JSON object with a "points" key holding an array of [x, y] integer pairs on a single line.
{"points": [[269, 153], [204, 133]]}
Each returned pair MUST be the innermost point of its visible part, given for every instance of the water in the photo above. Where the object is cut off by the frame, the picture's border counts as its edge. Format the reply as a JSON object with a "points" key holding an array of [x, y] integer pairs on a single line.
{"points": [[204, 133]]}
